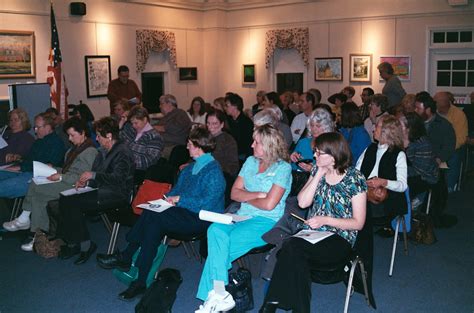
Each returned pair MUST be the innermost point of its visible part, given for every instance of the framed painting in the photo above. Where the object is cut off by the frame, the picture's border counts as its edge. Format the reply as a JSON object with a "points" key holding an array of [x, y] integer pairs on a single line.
{"points": [[327, 69], [98, 75], [360, 68], [17, 54], [401, 65], [248, 74], [188, 73]]}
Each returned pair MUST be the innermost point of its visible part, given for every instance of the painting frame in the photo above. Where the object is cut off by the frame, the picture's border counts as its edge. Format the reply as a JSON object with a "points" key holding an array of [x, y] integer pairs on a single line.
{"points": [[98, 75], [10, 66], [360, 68], [401, 65], [187, 74], [249, 76], [324, 69]]}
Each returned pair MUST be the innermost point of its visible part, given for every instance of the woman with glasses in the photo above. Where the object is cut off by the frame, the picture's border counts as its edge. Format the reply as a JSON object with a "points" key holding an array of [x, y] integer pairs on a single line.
{"points": [[336, 196], [17, 137]]}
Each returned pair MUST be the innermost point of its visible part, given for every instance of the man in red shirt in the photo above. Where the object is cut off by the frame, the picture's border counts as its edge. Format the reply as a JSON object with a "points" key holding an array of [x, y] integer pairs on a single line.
{"points": [[123, 88]]}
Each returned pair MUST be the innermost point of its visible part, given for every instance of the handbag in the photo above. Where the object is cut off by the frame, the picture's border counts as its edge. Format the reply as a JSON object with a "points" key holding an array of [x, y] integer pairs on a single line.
{"points": [[149, 190], [45, 248], [423, 229], [377, 195], [240, 287]]}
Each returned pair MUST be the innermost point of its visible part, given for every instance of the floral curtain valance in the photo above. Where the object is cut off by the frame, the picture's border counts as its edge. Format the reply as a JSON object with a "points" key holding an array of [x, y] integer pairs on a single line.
{"points": [[297, 38], [154, 40]]}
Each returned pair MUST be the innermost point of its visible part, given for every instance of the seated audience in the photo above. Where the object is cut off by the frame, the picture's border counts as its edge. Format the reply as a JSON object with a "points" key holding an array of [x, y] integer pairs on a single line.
{"points": [[84, 113], [262, 187], [364, 108], [200, 187], [336, 197], [272, 115], [240, 126], [378, 107], [197, 111], [58, 126], [112, 175], [317, 95], [174, 126], [422, 168], [78, 159], [457, 118], [286, 99], [384, 164], [219, 104], [142, 139], [225, 151], [337, 99], [349, 92], [353, 130], [17, 137], [408, 103], [257, 107], [306, 104], [48, 148], [271, 100], [119, 109]]}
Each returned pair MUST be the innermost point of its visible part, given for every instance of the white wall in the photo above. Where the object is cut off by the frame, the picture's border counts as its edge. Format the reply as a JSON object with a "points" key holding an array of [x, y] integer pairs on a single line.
{"points": [[218, 42]]}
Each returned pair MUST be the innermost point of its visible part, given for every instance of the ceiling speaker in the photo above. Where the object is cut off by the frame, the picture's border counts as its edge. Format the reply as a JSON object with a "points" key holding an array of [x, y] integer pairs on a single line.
{"points": [[77, 8]]}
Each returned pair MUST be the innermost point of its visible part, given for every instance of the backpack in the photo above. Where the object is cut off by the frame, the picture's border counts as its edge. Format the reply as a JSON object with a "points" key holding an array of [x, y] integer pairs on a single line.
{"points": [[159, 298]]}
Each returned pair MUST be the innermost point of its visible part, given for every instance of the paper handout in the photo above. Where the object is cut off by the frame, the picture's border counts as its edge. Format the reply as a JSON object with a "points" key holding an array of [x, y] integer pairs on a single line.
{"points": [[158, 206], [74, 191], [41, 171], [313, 236]]}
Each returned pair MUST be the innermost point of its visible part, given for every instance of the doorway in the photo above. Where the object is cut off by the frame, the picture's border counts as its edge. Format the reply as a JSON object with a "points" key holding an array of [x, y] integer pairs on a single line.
{"points": [[153, 88], [289, 82]]}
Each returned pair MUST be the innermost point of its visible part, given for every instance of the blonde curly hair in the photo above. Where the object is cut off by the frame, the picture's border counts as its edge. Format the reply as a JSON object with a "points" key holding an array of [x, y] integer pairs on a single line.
{"points": [[392, 132], [273, 143]]}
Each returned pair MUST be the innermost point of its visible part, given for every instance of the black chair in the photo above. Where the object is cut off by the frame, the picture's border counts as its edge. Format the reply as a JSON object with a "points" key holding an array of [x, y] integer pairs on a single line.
{"points": [[191, 239]]}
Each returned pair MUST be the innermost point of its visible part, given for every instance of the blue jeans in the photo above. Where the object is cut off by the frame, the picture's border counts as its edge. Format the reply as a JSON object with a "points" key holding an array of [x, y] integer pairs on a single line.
{"points": [[14, 184], [227, 243]]}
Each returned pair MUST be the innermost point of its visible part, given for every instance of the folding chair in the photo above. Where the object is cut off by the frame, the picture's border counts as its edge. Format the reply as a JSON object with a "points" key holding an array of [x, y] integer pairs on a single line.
{"points": [[405, 220]]}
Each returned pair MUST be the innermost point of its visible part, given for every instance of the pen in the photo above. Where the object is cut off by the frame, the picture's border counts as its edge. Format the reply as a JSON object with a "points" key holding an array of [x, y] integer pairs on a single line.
{"points": [[297, 217]]}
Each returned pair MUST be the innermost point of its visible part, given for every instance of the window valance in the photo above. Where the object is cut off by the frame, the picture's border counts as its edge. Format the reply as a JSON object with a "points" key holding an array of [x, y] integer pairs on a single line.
{"points": [[297, 38], [154, 40]]}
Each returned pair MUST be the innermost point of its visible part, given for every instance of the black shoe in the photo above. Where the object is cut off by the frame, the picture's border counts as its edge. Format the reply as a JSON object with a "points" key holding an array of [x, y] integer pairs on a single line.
{"points": [[85, 255], [133, 290], [67, 252], [111, 261], [268, 307], [385, 232]]}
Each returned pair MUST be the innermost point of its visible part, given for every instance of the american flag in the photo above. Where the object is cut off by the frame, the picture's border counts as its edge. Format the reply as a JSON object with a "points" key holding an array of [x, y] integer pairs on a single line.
{"points": [[56, 80]]}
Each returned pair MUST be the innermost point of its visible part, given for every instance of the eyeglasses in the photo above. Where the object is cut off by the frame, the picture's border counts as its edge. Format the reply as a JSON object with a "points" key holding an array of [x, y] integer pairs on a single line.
{"points": [[319, 153], [38, 127]]}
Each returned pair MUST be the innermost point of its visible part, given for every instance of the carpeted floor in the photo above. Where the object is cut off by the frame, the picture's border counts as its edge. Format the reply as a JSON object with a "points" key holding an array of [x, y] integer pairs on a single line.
{"points": [[436, 278]]}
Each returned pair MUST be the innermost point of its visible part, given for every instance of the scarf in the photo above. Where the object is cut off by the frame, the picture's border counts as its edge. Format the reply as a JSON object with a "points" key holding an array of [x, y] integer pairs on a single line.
{"points": [[74, 152]]}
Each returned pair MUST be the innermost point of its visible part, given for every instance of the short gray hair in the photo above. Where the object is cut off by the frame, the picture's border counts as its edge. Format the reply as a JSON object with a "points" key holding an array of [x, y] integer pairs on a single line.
{"points": [[265, 116], [168, 98], [323, 118]]}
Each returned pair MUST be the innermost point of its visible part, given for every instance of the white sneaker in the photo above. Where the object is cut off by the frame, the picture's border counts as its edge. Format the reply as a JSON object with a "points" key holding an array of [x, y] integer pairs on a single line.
{"points": [[16, 225], [28, 247], [217, 303]]}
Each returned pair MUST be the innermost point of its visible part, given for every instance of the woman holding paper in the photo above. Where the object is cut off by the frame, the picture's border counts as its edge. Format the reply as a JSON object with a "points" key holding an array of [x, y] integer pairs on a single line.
{"points": [[262, 187], [112, 175], [200, 186], [77, 160], [336, 193]]}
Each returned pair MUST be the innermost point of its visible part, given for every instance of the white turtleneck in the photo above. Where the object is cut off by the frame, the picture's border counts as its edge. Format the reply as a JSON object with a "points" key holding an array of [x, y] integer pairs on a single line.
{"points": [[399, 185]]}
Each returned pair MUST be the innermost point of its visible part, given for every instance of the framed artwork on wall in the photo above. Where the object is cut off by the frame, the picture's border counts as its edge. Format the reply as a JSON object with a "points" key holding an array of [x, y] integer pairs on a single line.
{"points": [[401, 65], [360, 68], [188, 73], [327, 69], [98, 75], [17, 54], [248, 74]]}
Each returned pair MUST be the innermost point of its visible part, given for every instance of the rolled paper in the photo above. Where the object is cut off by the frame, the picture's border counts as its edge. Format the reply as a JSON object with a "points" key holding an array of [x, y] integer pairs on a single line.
{"points": [[215, 217]]}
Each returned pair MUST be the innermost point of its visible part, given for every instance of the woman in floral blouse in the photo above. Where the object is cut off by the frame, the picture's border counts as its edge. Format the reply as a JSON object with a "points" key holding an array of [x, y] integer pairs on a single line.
{"points": [[336, 193]]}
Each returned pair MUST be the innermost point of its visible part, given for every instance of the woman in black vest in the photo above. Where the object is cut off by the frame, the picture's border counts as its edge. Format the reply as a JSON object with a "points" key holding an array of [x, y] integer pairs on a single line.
{"points": [[384, 164]]}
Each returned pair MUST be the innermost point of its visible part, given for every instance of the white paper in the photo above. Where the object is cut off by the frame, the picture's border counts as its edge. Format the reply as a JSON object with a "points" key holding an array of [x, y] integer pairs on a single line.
{"points": [[40, 180], [42, 170], [3, 143], [443, 165], [158, 206], [221, 218], [313, 236], [74, 191]]}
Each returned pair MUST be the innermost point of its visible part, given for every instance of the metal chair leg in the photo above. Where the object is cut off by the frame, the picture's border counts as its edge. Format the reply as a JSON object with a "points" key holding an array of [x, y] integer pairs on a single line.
{"points": [[113, 238], [428, 203], [394, 247], [106, 221], [17, 203]]}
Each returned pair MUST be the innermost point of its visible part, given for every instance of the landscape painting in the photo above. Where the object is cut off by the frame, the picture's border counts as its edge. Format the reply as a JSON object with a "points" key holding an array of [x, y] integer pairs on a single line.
{"points": [[17, 54]]}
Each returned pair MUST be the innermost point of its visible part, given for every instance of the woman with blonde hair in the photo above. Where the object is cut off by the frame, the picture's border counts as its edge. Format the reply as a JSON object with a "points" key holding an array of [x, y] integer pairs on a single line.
{"points": [[384, 164], [262, 187], [18, 138]]}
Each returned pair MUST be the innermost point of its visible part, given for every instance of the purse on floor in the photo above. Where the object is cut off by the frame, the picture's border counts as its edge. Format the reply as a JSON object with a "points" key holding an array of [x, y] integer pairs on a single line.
{"points": [[240, 287], [46, 248]]}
